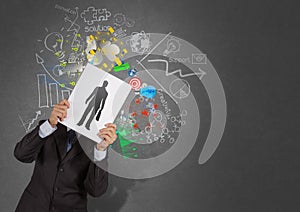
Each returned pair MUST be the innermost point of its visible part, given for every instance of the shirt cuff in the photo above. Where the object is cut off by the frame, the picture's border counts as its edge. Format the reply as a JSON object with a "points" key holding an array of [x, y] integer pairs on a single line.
{"points": [[46, 129], [98, 154]]}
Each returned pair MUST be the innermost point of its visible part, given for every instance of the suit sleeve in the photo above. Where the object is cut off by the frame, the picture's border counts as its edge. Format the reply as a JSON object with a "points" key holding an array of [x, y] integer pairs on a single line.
{"points": [[30, 145], [96, 181]]}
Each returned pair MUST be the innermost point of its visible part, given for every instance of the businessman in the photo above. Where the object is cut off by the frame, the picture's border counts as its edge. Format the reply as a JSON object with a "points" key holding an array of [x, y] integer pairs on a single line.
{"points": [[63, 175], [97, 101]]}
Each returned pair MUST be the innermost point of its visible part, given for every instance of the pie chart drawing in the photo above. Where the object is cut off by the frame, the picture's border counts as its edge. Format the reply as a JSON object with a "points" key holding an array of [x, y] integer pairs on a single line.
{"points": [[180, 88]]}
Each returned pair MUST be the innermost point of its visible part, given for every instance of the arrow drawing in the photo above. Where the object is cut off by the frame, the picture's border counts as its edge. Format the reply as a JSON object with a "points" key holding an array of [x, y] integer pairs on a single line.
{"points": [[168, 73], [28, 128], [22, 123], [38, 113]]}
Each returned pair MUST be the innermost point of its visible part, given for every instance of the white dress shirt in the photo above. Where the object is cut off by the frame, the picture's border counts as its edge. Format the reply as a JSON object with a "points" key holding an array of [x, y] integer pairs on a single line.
{"points": [[46, 129]]}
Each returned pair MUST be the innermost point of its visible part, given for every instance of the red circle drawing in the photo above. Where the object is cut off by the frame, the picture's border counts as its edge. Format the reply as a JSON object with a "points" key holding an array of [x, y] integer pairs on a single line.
{"points": [[135, 83]]}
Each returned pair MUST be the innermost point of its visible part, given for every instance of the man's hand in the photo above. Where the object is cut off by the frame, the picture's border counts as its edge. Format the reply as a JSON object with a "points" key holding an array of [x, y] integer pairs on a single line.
{"points": [[108, 136], [59, 112]]}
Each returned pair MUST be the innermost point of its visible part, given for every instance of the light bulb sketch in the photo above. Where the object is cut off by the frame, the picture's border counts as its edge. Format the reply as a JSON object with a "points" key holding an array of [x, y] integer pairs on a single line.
{"points": [[54, 42], [173, 46]]}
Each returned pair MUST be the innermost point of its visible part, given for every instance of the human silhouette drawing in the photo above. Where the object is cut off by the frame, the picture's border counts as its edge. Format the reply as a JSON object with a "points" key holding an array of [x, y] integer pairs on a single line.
{"points": [[97, 101]]}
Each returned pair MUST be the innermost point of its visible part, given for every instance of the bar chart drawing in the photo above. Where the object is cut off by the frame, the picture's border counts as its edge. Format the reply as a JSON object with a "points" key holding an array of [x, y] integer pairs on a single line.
{"points": [[53, 91], [65, 94], [50, 93], [42, 90]]}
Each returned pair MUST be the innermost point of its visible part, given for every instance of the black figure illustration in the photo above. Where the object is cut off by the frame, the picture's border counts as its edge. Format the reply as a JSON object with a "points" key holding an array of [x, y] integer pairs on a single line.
{"points": [[97, 97]]}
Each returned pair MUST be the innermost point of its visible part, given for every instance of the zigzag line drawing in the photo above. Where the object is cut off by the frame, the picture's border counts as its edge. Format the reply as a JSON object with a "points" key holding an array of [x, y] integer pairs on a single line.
{"points": [[34, 119], [29, 123], [168, 73]]}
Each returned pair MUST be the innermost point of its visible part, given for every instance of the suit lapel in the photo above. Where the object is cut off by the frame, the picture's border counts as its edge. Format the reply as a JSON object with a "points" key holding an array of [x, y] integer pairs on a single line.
{"points": [[75, 150], [60, 136]]}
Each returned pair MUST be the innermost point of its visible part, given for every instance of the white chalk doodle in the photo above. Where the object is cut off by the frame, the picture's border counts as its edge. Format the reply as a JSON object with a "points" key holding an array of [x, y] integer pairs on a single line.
{"points": [[53, 91], [54, 42], [91, 15], [42, 90], [199, 59], [180, 88], [28, 124], [173, 46], [75, 28], [40, 61], [140, 42], [158, 43], [121, 20], [120, 33], [168, 73], [67, 10]]}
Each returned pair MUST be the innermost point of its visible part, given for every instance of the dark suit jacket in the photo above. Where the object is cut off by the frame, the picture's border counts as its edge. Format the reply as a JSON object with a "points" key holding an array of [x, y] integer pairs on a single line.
{"points": [[60, 180]]}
